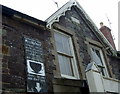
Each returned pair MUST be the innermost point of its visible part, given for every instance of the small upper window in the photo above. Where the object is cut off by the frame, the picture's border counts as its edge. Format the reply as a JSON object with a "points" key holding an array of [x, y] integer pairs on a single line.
{"points": [[98, 58], [66, 56]]}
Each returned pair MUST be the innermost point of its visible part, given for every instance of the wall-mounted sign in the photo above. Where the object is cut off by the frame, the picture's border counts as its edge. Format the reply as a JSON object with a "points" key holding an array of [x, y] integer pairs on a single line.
{"points": [[35, 67], [33, 49], [36, 83]]}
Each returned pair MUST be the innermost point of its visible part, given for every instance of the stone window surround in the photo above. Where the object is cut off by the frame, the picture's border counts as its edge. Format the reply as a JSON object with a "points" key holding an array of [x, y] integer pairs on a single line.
{"points": [[68, 54], [103, 66], [90, 42], [81, 70]]}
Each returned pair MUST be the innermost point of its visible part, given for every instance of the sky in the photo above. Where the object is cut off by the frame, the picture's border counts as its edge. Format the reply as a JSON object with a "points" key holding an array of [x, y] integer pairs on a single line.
{"points": [[98, 10]]}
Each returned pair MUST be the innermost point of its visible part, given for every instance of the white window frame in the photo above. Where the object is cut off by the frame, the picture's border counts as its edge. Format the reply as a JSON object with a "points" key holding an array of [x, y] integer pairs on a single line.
{"points": [[74, 65], [103, 59]]}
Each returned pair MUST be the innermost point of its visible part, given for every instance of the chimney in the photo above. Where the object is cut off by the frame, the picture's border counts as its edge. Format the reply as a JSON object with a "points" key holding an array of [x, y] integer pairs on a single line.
{"points": [[107, 33], [101, 24]]}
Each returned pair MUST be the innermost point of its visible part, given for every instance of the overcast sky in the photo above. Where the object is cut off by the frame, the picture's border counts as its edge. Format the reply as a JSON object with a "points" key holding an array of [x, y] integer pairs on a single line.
{"points": [[98, 10]]}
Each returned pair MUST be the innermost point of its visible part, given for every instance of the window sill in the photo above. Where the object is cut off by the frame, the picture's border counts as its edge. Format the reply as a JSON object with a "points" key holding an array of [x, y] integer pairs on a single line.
{"points": [[112, 79], [68, 82], [68, 77]]}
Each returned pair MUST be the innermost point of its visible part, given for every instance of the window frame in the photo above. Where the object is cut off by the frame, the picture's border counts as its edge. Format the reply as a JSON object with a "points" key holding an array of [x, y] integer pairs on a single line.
{"points": [[104, 67], [72, 57]]}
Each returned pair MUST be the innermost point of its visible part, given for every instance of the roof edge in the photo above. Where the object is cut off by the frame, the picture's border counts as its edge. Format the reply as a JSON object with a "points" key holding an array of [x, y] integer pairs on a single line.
{"points": [[13, 13], [60, 12]]}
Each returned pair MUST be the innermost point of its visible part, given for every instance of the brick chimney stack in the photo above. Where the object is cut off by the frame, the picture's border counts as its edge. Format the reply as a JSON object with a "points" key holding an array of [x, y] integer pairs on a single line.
{"points": [[107, 33]]}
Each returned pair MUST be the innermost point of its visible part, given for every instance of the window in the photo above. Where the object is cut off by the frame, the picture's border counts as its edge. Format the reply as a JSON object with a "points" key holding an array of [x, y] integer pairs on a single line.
{"points": [[66, 56], [98, 58]]}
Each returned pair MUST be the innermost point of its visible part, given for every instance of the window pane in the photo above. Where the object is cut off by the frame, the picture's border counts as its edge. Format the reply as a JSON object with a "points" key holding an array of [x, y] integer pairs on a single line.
{"points": [[68, 66], [66, 45], [96, 56], [65, 65], [62, 43], [61, 64], [58, 41], [102, 70]]}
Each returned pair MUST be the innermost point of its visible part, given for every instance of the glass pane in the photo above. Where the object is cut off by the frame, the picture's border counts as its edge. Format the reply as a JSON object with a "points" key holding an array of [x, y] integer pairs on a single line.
{"points": [[61, 64], [65, 65], [96, 57], [62, 43], [66, 45], [102, 70], [68, 66], [98, 54], [58, 41]]}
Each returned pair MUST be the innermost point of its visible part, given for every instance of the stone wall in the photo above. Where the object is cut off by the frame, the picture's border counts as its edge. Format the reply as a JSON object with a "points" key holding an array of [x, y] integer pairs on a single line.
{"points": [[81, 30], [14, 75], [14, 72], [114, 62]]}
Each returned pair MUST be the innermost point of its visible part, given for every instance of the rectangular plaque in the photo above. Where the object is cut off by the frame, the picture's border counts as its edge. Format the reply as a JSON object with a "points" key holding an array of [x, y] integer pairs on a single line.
{"points": [[33, 49], [35, 67], [36, 83]]}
